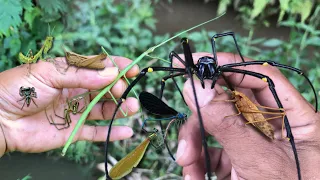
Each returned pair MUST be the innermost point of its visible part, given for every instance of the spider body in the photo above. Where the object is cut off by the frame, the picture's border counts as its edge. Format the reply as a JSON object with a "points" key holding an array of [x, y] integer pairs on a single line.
{"points": [[27, 94]]}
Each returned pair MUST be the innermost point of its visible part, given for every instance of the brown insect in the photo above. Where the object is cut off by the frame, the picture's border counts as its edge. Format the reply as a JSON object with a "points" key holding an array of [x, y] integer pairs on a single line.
{"points": [[81, 61], [73, 107], [253, 115]]}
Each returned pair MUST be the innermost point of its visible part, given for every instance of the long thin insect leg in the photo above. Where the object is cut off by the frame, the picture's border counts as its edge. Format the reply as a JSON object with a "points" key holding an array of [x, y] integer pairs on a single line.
{"points": [[275, 95], [272, 63]]}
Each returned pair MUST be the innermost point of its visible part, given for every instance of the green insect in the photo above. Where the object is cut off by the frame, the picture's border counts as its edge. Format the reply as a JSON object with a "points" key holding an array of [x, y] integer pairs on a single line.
{"points": [[27, 94], [30, 58]]}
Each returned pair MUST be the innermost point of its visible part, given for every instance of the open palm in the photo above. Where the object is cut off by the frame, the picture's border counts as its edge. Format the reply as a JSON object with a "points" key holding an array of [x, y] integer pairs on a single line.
{"points": [[28, 129]]}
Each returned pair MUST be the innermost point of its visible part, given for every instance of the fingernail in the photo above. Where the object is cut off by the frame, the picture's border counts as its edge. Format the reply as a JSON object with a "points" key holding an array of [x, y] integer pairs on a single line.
{"points": [[181, 147], [187, 177], [109, 71]]}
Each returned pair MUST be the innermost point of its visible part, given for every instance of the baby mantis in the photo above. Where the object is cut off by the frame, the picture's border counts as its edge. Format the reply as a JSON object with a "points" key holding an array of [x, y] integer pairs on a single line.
{"points": [[30, 58], [131, 160]]}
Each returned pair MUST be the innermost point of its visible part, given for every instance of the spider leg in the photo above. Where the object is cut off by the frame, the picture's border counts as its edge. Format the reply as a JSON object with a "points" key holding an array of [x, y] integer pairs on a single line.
{"points": [[272, 63], [213, 41], [189, 67], [34, 102]]}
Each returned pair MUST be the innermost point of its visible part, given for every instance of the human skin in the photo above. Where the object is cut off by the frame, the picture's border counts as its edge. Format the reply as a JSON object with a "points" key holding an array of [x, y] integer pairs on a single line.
{"points": [[247, 153], [28, 130]]}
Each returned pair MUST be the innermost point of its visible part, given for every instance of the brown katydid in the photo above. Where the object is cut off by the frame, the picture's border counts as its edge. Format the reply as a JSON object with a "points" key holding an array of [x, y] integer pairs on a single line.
{"points": [[253, 115], [81, 61]]}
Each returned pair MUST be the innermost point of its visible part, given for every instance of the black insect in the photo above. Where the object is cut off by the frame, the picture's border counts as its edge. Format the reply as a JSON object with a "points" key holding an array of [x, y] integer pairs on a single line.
{"points": [[27, 94], [156, 106], [208, 68]]}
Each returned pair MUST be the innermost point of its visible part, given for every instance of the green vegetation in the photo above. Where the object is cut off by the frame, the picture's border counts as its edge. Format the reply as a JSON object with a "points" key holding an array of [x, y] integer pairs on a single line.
{"points": [[127, 29]]}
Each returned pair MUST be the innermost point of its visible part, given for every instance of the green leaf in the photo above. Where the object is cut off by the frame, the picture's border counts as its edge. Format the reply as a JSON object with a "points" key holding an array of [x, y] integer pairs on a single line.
{"points": [[272, 43], [306, 10], [29, 16], [301, 7], [10, 12], [223, 5], [53, 6], [104, 42], [284, 6], [27, 5], [258, 7], [315, 41]]}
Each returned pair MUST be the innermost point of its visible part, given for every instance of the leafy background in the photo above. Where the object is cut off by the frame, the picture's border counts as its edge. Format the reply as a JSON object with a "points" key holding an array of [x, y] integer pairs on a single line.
{"points": [[128, 28]]}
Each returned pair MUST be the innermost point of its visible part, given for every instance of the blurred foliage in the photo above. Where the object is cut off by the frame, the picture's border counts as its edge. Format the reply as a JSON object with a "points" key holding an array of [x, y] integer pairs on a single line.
{"points": [[127, 28], [27, 177], [255, 12]]}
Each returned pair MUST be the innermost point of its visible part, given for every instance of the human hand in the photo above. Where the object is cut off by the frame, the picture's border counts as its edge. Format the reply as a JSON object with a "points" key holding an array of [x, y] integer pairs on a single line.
{"points": [[246, 153], [28, 129]]}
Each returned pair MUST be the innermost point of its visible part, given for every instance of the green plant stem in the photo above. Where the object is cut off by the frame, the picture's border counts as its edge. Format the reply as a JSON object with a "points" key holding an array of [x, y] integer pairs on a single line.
{"points": [[122, 73]]}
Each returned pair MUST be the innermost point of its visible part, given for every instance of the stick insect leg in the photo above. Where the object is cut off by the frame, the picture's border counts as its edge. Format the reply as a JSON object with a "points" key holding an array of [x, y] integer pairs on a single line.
{"points": [[275, 95]]}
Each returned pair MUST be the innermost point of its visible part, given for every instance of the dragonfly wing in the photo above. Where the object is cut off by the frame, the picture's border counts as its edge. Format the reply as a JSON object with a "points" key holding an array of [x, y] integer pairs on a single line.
{"points": [[155, 105]]}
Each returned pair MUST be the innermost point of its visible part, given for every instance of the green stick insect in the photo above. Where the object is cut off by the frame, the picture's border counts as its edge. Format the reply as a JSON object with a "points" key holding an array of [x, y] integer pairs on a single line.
{"points": [[30, 58]]}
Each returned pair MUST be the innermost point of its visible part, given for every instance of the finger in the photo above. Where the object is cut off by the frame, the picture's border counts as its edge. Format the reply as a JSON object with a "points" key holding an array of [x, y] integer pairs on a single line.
{"points": [[117, 90], [83, 78], [122, 63], [189, 147], [224, 166], [98, 133], [105, 110], [197, 169]]}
